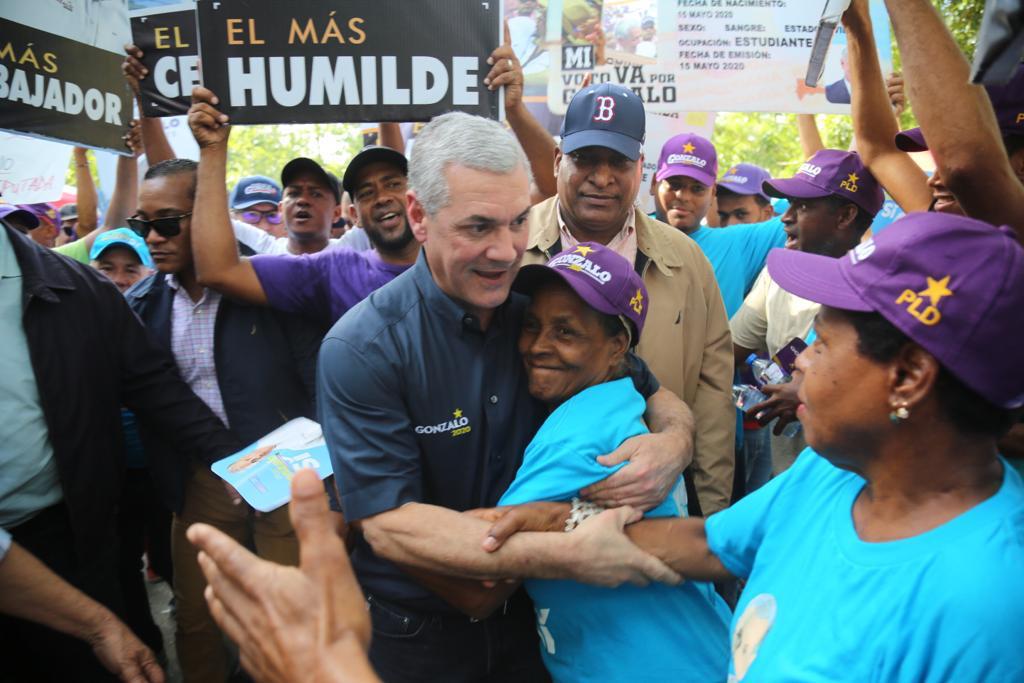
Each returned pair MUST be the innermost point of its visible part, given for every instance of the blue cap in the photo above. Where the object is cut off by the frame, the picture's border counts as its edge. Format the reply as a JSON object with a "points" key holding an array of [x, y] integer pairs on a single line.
{"points": [[122, 236], [253, 190], [605, 115], [746, 179]]}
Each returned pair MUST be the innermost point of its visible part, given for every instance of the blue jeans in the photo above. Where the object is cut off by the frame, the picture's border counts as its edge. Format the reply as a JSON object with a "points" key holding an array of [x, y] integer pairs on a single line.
{"points": [[757, 454], [413, 647]]}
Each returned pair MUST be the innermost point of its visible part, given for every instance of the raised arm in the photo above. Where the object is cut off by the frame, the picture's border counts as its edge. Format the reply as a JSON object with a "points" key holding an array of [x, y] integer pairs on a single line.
{"points": [[85, 188], [956, 117], [507, 72], [126, 181], [390, 135], [874, 124], [214, 251], [155, 141], [810, 137]]}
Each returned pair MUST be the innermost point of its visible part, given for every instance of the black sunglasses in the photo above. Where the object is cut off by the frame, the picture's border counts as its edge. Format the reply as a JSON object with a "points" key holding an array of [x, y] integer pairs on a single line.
{"points": [[168, 226]]}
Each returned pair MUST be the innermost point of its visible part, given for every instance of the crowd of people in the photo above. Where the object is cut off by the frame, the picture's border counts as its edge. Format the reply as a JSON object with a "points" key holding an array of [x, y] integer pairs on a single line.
{"points": [[500, 348]]}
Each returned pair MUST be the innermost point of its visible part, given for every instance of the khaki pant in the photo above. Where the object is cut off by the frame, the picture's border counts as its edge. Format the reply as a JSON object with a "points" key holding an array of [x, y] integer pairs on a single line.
{"points": [[199, 642]]}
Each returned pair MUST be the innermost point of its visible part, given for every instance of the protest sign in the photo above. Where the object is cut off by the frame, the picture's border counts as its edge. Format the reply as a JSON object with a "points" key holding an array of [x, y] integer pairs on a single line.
{"points": [[31, 170], [59, 79], [659, 129], [167, 38], [310, 61], [702, 55], [262, 472]]}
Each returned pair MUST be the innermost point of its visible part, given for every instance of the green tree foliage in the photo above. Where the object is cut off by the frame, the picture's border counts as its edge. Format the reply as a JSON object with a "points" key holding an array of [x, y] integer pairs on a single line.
{"points": [[770, 140], [264, 150]]}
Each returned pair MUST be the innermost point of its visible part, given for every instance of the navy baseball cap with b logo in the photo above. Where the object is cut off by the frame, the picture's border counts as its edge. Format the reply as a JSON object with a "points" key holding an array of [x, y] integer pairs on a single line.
{"points": [[605, 115]]}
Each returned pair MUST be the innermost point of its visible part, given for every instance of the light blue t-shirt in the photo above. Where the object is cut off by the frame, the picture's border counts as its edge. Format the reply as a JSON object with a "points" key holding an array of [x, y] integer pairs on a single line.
{"points": [[822, 605], [29, 480], [588, 633], [737, 254]]}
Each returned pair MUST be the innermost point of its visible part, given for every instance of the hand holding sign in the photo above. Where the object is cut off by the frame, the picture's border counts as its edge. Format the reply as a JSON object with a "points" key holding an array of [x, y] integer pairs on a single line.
{"points": [[506, 71], [209, 126], [132, 67]]}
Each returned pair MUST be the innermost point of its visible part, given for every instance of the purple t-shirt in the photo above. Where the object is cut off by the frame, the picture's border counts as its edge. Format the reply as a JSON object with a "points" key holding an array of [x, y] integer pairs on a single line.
{"points": [[323, 285]]}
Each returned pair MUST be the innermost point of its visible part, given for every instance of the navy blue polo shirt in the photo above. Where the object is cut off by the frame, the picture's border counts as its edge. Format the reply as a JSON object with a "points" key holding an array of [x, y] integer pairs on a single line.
{"points": [[418, 404]]}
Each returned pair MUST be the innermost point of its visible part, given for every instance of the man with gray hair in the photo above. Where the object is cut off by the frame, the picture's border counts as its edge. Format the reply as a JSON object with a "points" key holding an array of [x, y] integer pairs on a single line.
{"points": [[423, 401]]}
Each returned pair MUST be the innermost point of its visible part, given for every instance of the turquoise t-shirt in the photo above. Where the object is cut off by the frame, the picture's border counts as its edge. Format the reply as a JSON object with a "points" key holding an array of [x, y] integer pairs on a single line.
{"points": [[588, 633], [822, 605], [737, 255]]}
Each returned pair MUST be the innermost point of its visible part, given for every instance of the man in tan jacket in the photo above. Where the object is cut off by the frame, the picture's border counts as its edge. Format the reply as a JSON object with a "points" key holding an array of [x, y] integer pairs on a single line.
{"points": [[688, 347]]}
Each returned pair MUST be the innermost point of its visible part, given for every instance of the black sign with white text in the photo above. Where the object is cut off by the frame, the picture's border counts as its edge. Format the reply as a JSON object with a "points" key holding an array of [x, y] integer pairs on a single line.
{"points": [[318, 61], [171, 53], [61, 89]]}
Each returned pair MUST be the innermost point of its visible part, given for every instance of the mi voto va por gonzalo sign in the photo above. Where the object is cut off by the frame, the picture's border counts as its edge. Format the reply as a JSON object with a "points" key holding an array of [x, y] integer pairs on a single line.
{"points": [[310, 61]]}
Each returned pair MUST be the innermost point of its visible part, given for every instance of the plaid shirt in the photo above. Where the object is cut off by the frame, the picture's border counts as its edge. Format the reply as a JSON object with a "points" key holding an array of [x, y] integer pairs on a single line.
{"points": [[192, 327]]}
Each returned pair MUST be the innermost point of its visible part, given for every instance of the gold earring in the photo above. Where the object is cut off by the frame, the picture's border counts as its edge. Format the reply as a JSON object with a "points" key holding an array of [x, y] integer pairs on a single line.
{"points": [[899, 414]]}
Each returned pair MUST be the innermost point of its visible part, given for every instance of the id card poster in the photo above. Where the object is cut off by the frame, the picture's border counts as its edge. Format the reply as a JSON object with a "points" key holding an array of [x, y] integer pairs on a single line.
{"points": [[702, 55], [262, 473]]}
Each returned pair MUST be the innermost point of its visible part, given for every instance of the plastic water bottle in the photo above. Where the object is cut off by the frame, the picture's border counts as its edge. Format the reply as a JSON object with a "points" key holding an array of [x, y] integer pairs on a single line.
{"points": [[768, 372]]}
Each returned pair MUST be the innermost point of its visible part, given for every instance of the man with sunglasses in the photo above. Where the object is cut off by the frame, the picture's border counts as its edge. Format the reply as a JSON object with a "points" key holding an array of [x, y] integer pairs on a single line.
{"points": [[252, 366], [255, 201], [320, 286]]}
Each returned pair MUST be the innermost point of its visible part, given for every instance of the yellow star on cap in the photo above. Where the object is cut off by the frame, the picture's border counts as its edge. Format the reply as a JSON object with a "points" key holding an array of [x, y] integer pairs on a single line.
{"points": [[584, 251], [688, 148], [732, 171], [853, 178], [637, 302], [457, 413], [937, 290]]}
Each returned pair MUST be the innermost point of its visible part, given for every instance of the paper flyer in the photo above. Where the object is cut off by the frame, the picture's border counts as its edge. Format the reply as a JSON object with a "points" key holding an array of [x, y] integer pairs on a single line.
{"points": [[263, 471]]}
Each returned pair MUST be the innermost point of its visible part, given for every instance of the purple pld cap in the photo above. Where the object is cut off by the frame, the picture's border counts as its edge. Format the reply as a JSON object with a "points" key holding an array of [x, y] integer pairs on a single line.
{"points": [[831, 172], [911, 140], [746, 179], [1008, 103], [688, 155], [27, 217], [605, 115], [606, 281], [954, 285]]}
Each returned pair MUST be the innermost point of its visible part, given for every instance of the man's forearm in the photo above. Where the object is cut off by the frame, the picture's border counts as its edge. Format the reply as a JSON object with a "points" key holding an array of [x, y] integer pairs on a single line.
{"points": [[86, 199], [449, 543], [154, 141], [874, 123], [679, 542], [126, 189], [213, 240], [538, 145], [668, 414], [956, 117], [810, 136], [29, 590]]}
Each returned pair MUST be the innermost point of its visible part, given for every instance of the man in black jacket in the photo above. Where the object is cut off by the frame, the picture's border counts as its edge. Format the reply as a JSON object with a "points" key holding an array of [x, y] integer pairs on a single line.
{"points": [[254, 367], [73, 355]]}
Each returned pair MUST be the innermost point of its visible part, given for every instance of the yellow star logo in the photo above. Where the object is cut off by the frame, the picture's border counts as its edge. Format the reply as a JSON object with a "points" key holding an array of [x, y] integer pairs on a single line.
{"points": [[584, 251], [732, 171], [688, 148], [937, 290], [853, 178], [457, 413], [637, 302]]}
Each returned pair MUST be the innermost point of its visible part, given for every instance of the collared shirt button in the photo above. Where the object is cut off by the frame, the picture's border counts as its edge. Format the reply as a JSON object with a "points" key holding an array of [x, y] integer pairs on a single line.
{"points": [[467, 320], [494, 399]]}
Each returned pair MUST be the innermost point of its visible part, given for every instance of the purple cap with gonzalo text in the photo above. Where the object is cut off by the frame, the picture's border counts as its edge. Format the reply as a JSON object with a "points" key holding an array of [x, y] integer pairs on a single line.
{"points": [[746, 179], [688, 155], [831, 172], [605, 115], [604, 280], [954, 285]]}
